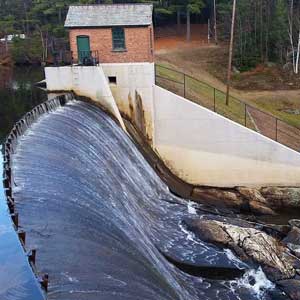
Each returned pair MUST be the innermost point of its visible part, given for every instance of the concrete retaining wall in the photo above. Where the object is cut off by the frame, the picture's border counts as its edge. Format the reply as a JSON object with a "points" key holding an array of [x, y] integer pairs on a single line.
{"points": [[84, 81], [199, 146], [204, 148], [133, 92]]}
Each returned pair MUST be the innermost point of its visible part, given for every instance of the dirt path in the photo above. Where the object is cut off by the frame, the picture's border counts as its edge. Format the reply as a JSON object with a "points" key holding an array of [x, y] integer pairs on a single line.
{"points": [[183, 59]]}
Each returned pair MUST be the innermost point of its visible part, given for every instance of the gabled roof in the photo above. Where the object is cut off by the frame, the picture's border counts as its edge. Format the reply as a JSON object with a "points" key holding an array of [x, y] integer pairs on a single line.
{"points": [[103, 15]]}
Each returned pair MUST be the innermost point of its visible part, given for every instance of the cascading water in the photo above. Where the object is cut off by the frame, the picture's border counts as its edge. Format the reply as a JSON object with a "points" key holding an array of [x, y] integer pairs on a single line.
{"points": [[105, 225]]}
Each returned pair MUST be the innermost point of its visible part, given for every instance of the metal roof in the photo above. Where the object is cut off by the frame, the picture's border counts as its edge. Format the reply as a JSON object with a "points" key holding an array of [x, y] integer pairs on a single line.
{"points": [[103, 15]]}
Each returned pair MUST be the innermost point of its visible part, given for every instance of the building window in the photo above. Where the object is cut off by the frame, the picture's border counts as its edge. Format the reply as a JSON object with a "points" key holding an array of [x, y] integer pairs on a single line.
{"points": [[118, 37]]}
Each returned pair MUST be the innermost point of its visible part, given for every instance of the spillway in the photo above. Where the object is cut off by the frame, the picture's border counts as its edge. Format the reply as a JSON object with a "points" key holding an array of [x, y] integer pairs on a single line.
{"points": [[106, 226]]}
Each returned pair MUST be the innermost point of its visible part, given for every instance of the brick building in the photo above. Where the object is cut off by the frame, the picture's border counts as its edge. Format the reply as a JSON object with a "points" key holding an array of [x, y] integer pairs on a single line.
{"points": [[114, 33]]}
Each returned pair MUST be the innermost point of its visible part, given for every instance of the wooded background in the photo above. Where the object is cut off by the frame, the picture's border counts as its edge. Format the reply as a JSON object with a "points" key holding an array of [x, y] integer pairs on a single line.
{"points": [[266, 31]]}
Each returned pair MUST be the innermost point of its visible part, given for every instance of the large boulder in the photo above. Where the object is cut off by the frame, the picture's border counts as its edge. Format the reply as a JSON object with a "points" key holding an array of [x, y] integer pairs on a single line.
{"points": [[292, 241], [249, 243], [258, 205], [258, 201], [218, 197], [252, 194], [281, 197], [291, 288], [293, 236], [241, 199], [294, 223]]}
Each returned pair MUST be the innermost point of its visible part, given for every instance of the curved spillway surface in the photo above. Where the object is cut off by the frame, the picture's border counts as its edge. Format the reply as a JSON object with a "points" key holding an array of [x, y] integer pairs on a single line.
{"points": [[17, 280], [103, 222]]}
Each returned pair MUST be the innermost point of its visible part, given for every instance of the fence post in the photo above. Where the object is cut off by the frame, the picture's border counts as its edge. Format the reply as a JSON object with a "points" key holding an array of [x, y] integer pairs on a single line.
{"points": [[276, 130], [245, 115], [214, 99], [184, 85]]}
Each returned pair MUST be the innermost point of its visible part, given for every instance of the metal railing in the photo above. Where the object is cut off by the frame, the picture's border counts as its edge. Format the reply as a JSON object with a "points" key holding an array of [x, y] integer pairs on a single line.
{"points": [[88, 58], [239, 111], [62, 58], [85, 58]]}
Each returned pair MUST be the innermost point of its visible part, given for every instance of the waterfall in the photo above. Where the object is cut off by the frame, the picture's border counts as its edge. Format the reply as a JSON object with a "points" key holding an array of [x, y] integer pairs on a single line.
{"points": [[102, 220]]}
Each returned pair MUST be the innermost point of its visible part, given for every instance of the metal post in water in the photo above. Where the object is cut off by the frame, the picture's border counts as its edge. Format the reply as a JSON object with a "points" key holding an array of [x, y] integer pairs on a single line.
{"points": [[44, 281], [15, 219], [22, 236], [32, 256]]}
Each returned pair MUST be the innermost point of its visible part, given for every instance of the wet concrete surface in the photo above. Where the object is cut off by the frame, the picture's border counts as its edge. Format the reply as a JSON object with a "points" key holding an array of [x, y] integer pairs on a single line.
{"points": [[17, 280], [106, 226]]}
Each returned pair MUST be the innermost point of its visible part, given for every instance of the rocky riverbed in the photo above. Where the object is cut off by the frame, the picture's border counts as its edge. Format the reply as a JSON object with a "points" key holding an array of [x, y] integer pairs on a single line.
{"points": [[260, 225], [276, 248]]}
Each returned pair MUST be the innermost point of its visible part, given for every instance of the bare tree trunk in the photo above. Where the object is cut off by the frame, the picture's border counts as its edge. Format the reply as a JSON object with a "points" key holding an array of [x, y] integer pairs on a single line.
{"points": [[188, 25], [267, 34], [215, 23], [298, 55], [230, 51], [26, 18], [261, 32], [291, 24], [178, 21], [43, 43], [6, 44], [208, 31]]}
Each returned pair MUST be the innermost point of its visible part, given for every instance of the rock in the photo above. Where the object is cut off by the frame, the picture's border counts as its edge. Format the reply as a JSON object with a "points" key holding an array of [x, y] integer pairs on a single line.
{"points": [[257, 203], [292, 240], [251, 194], [209, 231], [218, 197], [258, 208], [278, 231], [281, 197], [295, 223], [293, 236], [295, 249], [291, 288], [249, 243]]}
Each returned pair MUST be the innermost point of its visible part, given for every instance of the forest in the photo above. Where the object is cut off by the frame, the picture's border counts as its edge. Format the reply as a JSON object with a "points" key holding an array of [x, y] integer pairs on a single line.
{"points": [[266, 31]]}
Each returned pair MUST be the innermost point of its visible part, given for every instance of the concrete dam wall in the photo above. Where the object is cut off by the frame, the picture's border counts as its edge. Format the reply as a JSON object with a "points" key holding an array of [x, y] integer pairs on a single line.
{"points": [[199, 146], [107, 227]]}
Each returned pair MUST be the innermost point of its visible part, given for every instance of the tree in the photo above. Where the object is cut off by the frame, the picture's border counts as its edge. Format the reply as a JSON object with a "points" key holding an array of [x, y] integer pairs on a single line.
{"points": [[215, 22], [6, 28], [230, 50], [192, 7], [294, 33]]}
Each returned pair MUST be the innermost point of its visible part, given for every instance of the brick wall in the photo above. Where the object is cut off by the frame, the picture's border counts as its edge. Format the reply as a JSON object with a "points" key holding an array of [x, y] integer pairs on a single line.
{"points": [[138, 40]]}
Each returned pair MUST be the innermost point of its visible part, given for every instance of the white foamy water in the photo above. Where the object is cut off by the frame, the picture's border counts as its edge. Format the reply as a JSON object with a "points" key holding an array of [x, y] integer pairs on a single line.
{"points": [[256, 281], [191, 208]]}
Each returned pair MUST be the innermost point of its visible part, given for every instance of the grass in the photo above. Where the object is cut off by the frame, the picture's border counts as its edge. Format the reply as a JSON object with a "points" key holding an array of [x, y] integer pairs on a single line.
{"points": [[166, 72], [275, 108], [261, 88], [203, 94]]}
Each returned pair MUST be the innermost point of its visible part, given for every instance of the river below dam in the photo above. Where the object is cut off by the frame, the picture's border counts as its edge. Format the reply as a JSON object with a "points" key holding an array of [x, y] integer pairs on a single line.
{"points": [[104, 224]]}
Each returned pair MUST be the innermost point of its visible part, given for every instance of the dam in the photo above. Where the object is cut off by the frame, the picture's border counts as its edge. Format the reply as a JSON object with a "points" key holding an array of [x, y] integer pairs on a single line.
{"points": [[106, 226], [118, 188]]}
